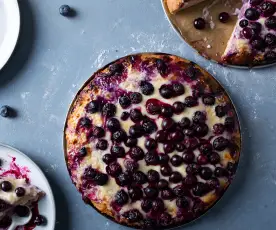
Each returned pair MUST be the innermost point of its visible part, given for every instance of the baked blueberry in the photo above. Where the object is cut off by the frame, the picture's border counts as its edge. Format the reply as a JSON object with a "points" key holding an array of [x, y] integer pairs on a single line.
{"points": [[175, 177], [178, 107], [83, 152], [190, 101], [165, 219], [150, 144], [201, 189], [205, 173], [153, 107], [184, 123], [220, 144], [243, 23], [168, 147], [125, 116], [102, 144], [124, 179], [271, 22], [157, 205], [153, 176], [208, 100], [100, 179], [220, 111], [136, 98], [149, 126], [178, 89], [151, 192], [146, 205], [121, 198], [136, 153], [98, 132], [166, 91], [108, 110], [252, 14], [136, 131], [136, 115], [6, 186], [114, 169], [40, 220], [93, 107], [124, 101], [131, 142], [117, 151], [139, 178], [167, 111], [182, 202], [113, 124], [151, 158], [163, 159], [168, 123], [162, 184], [108, 158], [19, 191], [131, 165], [133, 216], [161, 136], [135, 193], [166, 170], [167, 194], [176, 160], [146, 88], [119, 136]]}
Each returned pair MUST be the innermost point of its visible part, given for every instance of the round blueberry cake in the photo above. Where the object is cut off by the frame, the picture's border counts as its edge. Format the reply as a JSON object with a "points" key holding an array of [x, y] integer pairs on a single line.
{"points": [[152, 141]]}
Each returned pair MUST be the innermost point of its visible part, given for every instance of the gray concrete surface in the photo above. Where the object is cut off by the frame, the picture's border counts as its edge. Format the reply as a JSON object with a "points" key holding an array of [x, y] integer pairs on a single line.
{"points": [[56, 55]]}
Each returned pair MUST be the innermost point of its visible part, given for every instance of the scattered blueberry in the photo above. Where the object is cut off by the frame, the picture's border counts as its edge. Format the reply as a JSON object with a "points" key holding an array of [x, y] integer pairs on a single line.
{"points": [[224, 17], [65, 10]]}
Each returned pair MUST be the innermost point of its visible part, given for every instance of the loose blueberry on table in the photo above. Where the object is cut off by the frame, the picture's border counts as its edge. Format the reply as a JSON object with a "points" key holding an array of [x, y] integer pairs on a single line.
{"points": [[155, 142]]}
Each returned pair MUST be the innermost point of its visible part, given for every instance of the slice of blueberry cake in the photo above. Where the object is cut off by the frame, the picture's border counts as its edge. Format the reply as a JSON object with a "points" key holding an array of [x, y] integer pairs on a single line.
{"points": [[16, 192], [253, 40], [152, 141]]}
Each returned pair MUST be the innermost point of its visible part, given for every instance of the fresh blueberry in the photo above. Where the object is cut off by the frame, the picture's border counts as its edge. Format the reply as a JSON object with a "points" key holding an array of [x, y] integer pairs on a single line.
{"points": [[65, 10]]}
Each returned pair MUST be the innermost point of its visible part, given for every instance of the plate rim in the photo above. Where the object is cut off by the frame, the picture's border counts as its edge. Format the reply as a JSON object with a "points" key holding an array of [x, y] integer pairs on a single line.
{"points": [[83, 85], [205, 57], [12, 34], [51, 195]]}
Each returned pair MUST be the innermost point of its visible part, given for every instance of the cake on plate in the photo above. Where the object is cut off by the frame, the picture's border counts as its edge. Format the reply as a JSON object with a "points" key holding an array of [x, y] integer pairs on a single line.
{"points": [[253, 40], [16, 192], [152, 141]]}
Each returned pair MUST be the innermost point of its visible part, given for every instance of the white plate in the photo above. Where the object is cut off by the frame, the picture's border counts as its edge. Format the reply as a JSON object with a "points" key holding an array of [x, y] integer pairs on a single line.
{"points": [[46, 205], [9, 29]]}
